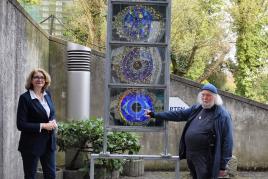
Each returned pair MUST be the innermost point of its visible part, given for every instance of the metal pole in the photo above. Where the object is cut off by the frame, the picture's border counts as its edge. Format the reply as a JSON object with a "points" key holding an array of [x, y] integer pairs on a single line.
{"points": [[127, 156], [177, 170], [105, 141], [92, 168], [166, 139], [107, 77], [51, 24], [45, 19]]}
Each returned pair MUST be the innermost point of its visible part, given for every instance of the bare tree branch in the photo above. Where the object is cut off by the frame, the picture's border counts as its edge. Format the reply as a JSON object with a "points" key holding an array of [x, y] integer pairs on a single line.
{"points": [[214, 66]]}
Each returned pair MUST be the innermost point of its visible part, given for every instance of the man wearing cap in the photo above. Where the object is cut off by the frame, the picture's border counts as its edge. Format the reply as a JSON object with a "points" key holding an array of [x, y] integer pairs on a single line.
{"points": [[206, 140]]}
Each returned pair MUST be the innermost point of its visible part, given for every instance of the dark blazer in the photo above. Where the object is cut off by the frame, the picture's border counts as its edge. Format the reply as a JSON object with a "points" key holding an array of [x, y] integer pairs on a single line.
{"points": [[30, 114]]}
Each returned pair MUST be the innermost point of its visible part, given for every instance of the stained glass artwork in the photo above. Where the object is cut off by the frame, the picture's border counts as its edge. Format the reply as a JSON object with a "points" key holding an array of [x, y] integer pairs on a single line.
{"points": [[139, 23], [128, 107], [136, 65]]}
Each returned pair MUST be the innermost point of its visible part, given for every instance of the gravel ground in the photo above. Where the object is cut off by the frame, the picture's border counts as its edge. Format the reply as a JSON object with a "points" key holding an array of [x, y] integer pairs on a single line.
{"points": [[185, 175]]}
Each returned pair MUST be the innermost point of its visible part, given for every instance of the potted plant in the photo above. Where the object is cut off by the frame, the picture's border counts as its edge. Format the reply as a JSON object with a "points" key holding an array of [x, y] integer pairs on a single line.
{"points": [[39, 173], [86, 137], [119, 143]]}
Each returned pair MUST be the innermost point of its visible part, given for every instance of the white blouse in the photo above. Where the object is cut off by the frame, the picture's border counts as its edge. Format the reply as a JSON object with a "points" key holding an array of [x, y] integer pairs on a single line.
{"points": [[43, 101]]}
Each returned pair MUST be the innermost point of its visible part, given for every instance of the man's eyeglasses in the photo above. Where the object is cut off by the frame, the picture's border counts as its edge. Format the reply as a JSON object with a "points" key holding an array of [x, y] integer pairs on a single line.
{"points": [[38, 77]]}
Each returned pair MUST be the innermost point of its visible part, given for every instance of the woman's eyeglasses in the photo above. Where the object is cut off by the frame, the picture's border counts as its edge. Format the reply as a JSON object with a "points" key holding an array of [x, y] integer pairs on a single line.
{"points": [[38, 78]]}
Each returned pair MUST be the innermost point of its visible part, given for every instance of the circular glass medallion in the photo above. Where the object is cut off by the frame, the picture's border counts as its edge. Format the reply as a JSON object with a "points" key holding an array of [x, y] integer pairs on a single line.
{"points": [[139, 23], [136, 65], [132, 105]]}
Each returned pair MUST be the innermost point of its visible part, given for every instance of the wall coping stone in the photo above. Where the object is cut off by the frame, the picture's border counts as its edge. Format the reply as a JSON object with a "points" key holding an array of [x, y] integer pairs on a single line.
{"points": [[222, 93], [64, 42], [97, 53], [57, 40]]}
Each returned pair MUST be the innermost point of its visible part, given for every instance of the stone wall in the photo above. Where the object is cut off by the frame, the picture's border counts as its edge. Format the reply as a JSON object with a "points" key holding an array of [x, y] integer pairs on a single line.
{"points": [[58, 72], [23, 46], [97, 84]]}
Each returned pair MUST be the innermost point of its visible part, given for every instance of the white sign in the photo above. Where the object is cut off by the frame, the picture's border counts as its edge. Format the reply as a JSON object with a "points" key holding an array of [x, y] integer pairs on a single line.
{"points": [[175, 104]]}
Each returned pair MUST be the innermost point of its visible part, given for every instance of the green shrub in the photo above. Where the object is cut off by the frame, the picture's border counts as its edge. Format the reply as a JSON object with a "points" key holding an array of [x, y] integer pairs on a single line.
{"points": [[87, 136]]}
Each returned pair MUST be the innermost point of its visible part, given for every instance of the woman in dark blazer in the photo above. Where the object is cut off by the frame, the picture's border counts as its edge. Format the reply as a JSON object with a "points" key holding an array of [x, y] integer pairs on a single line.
{"points": [[36, 121]]}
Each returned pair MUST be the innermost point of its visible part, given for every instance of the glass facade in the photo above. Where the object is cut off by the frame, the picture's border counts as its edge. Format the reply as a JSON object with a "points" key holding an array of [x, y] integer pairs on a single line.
{"points": [[42, 12]]}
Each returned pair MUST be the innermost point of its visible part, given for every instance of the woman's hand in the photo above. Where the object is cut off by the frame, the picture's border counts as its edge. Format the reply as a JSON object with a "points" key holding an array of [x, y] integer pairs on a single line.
{"points": [[50, 125], [222, 174], [54, 123]]}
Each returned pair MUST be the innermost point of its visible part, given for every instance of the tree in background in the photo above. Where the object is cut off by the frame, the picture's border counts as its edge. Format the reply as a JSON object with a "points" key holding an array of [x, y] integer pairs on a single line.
{"points": [[199, 40], [29, 1], [250, 22], [86, 23], [261, 88], [198, 44]]}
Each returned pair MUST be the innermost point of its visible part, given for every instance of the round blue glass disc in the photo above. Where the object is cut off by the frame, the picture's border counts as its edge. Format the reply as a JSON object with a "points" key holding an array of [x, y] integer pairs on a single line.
{"points": [[132, 107]]}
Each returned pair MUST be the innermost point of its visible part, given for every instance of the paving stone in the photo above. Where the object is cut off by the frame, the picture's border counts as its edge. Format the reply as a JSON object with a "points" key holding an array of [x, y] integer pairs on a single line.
{"points": [[185, 175]]}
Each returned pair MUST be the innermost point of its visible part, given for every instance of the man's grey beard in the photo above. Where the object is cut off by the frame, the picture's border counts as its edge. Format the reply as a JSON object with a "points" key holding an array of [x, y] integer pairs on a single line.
{"points": [[207, 106], [217, 101]]}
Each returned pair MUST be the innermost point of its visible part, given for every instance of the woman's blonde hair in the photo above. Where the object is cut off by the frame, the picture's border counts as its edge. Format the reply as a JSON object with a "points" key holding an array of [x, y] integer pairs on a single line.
{"points": [[47, 79]]}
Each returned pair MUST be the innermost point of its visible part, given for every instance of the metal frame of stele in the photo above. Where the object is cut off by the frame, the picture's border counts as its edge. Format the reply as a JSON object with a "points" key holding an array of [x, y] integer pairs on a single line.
{"points": [[111, 43]]}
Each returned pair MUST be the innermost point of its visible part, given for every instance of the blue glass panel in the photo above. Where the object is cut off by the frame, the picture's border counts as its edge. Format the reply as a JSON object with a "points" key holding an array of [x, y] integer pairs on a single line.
{"points": [[138, 23], [127, 106]]}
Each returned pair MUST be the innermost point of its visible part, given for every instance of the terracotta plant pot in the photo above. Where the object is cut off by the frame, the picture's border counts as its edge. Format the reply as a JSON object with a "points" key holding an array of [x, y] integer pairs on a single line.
{"points": [[133, 168], [103, 173]]}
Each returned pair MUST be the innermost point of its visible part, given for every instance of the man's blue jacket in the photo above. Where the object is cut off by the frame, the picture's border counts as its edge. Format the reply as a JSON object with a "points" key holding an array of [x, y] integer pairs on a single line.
{"points": [[223, 130]]}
